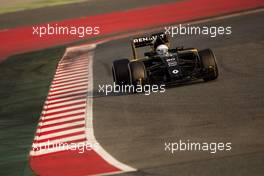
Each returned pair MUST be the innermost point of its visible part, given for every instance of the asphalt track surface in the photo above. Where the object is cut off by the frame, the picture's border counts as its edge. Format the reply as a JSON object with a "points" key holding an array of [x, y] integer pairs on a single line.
{"points": [[134, 128], [230, 108]]}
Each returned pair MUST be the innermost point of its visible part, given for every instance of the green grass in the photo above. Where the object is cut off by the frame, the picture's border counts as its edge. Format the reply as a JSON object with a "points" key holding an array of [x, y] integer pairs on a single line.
{"points": [[19, 6], [24, 84]]}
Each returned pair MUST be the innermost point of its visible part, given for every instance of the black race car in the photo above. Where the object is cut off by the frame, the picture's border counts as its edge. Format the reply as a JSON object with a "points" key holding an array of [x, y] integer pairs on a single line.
{"points": [[177, 65]]}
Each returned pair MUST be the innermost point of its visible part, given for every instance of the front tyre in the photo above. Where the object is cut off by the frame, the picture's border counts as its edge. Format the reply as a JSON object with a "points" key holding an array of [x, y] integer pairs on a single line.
{"points": [[210, 70], [120, 72], [137, 72]]}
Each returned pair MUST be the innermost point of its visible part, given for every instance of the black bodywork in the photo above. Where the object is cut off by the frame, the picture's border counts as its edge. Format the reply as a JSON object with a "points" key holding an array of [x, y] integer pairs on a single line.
{"points": [[179, 65]]}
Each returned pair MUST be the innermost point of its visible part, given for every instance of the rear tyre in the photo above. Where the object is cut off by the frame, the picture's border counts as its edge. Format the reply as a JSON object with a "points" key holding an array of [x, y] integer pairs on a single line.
{"points": [[138, 74], [120, 72], [210, 70]]}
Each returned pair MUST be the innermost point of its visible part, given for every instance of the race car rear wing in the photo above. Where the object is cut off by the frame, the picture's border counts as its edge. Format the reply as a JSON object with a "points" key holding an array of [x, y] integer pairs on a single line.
{"points": [[154, 39], [148, 40]]}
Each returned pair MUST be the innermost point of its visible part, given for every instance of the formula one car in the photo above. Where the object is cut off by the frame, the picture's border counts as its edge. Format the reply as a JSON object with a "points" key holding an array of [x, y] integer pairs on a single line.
{"points": [[162, 65]]}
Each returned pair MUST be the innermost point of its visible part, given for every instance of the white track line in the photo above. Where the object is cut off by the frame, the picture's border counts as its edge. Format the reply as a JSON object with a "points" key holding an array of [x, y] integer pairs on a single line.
{"points": [[68, 86], [69, 82], [72, 64], [52, 149], [67, 90], [63, 121], [66, 108], [69, 62], [69, 79], [63, 114], [41, 126], [60, 75], [68, 94], [64, 103], [58, 127], [89, 126], [80, 68], [61, 133], [71, 67], [66, 139], [66, 98], [69, 76]]}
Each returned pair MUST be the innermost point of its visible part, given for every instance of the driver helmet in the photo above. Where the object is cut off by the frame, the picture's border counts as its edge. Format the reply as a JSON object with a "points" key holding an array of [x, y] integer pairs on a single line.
{"points": [[162, 49]]}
